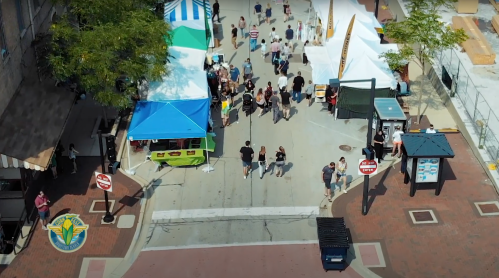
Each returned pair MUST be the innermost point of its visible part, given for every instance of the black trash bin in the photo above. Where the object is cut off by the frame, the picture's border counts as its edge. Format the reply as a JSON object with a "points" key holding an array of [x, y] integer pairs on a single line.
{"points": [[333, 242]]}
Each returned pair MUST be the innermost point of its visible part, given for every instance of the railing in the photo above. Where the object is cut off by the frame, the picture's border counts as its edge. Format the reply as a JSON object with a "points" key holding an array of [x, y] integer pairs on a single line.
{"points": [[483, 119], [19, 230]]}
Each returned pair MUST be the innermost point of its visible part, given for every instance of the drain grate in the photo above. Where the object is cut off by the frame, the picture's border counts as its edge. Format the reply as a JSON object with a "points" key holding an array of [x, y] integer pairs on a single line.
{"points": [[345, 148]]}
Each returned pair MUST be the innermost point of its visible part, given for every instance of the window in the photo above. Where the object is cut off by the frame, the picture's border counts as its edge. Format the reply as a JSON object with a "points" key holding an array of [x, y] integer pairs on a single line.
{"points": [[4, 52], [20, 18]]}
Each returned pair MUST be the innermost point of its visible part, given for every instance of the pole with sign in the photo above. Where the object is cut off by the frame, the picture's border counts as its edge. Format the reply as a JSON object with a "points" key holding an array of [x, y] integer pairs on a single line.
{"points": [[104, 181]]}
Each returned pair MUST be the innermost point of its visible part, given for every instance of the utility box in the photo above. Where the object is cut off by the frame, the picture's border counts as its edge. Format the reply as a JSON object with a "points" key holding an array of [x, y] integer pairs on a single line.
{"points": [[387, 116]]}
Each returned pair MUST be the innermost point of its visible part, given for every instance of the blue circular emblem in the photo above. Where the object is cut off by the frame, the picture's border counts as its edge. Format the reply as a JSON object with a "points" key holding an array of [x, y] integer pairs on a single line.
{"points": [[67, 233]]}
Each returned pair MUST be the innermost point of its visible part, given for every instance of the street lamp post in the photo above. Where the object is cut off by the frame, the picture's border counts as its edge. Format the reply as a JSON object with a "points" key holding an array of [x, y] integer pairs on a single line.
{"points": [[368, 149], [108, 218]]}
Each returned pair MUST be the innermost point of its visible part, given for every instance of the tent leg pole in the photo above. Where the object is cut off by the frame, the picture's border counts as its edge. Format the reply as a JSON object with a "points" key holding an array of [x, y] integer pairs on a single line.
{"points": [[128, 150], [207, 155]]}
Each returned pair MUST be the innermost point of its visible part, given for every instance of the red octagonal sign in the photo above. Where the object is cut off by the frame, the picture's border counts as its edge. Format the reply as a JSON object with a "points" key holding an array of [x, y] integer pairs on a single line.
{"points": [[104, 181], [368, 167]]}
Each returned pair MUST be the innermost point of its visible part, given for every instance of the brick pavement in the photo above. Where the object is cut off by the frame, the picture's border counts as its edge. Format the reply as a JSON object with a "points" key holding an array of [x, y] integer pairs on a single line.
{"points": [[461, 244], [74, 194]]}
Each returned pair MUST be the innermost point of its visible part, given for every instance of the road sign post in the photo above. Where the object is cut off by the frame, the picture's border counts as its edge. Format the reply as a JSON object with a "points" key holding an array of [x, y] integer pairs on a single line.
{"points": [[108, 218]]}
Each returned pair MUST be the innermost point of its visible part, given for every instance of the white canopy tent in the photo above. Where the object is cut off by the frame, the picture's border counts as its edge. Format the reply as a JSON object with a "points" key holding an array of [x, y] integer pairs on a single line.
{"points": [[363, 67], [187, 78], [343, 10]]}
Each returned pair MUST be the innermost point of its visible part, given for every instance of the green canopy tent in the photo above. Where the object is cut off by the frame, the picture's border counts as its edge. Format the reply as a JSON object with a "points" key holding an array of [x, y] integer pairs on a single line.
{"points": [[190, 38]]}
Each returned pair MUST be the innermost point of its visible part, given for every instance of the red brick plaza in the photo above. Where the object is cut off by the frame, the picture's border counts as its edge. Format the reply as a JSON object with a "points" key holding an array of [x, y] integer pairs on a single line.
{"points": [[451, 235], [75, 194]]}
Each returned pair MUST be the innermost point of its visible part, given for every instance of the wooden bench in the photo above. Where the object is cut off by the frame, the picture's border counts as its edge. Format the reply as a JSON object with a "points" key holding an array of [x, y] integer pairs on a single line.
{"points": [[477, 46], [495, 4], [495, 23]]}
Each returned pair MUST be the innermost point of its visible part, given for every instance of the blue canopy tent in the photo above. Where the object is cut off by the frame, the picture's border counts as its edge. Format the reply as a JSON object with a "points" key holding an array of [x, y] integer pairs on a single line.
{"points": [[169, 120]]}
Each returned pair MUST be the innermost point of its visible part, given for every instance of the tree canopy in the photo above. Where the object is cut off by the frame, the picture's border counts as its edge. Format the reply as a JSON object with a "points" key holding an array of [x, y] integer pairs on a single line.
{"points": [[100, 41], [421, 36]]}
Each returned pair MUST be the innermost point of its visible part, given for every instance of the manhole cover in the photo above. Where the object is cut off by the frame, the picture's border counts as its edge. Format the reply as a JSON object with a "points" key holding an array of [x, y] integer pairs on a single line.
{"points": [[422, 216], [100, 205], [489, 208], [345, 148]]}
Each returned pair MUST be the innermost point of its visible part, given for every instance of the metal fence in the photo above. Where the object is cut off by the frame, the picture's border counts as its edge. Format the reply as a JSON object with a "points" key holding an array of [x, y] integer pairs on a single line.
{"points": [[483, 119]]}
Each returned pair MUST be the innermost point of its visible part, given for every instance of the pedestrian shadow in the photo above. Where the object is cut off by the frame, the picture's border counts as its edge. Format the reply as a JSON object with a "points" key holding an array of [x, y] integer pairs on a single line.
{"points": [[255, 79], [239, 44], [290, 75], [287, 167], [349, 181], [60, 213]]}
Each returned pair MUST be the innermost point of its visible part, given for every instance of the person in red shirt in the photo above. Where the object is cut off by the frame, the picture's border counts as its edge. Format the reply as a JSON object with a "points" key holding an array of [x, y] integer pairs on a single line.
{"points": [[253, 38], [41, 203]]}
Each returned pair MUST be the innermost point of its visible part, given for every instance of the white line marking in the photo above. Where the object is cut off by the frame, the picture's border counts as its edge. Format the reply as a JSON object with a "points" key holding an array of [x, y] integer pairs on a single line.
{"points": [[234, 212], [200, 246], [337, 132]]}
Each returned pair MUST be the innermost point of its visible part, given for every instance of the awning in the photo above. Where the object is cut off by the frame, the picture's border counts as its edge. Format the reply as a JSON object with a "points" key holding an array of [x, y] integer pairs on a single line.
{"points": [[32, 124]]}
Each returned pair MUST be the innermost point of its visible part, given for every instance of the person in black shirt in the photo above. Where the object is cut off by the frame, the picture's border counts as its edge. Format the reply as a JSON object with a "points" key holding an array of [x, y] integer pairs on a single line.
{"points": [[331, 97], [279, 161], [379, 140], [286, 104], [216, 11], [247, 154], [258, 12], [234, 35], [262, 161], [298, 83]]}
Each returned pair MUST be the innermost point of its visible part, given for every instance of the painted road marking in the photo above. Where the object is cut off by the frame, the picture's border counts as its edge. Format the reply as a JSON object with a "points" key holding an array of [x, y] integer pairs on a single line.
{"points": [[202, 246], [234, 212]]}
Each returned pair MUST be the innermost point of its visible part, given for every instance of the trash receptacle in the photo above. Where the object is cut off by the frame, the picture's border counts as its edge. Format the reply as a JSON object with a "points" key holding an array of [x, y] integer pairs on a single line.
{"points": [[333, 242]]}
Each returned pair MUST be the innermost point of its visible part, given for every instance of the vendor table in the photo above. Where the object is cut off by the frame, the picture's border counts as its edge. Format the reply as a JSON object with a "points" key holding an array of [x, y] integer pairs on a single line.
{"points": [[192, 156]]}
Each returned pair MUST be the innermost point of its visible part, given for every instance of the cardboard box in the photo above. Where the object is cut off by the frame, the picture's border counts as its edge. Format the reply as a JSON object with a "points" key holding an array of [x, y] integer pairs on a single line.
{"points": [[476, 46], [495, 4], [495, 23], [467, 6]]}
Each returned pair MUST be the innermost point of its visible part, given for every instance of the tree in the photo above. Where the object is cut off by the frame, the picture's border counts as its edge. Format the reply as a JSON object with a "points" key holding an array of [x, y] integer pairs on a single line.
{"points": [[101, 42], [421, 36]]}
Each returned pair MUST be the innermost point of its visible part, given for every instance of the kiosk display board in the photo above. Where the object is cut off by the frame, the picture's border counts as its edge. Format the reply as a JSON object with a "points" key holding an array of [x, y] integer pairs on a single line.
{"points": [[427, 170]]}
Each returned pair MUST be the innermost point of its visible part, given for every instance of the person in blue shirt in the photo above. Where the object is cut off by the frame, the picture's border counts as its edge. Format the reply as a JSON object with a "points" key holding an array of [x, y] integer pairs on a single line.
{"points": [[284, 66], [234, 78], [289, 37], [258, 12]]}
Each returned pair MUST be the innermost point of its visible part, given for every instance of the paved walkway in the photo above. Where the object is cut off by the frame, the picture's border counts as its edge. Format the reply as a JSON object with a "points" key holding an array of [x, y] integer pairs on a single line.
{"points": [[456, 236], [75, 194]]}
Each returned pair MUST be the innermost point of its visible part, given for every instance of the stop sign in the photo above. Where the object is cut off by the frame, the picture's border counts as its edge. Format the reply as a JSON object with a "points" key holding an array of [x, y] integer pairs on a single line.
{"points": [[103, 181], [368, 167]]}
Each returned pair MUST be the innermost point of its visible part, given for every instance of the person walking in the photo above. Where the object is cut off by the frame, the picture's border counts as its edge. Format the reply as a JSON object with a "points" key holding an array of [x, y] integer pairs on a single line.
{"points": [[248, 70], [258, 11], [262, 161], [304, 55], [53, 166], [272, 35], [379, 140], [234, 78], [284, 66], [242, 26], [216, 11], [327, 177], [285, 7], [309, 91], [226, 106], [286, 104], [247, 154], [260, 102], [72, 157], [282, 82], [41, 203], [275, 107], [268, 13], [341, 174], [234, 35], [59, 150], [298, 84], [250, 87], [289, 37], [397, 142], [285, 51], [280, 161], [263, 46], [253, 38], [268, 94]]}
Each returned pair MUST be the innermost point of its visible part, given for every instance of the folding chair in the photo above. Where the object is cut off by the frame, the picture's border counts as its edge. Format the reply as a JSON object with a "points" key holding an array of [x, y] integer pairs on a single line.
{"points": [[216, 104]]}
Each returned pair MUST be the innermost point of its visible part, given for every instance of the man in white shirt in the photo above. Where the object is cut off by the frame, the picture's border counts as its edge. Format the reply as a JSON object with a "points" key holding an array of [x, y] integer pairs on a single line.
{"points": [[282, 82], [431, 129], [397, 141]]}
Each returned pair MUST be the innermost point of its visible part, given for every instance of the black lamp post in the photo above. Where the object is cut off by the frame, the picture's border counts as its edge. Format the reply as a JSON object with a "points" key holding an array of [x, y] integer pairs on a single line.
{"points": [[367, 151], [108, 218]]}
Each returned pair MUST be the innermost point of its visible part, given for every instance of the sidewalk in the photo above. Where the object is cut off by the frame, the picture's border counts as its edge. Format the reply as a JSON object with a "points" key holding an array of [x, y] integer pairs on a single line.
{"points": [[427, 236], [75, 194]]}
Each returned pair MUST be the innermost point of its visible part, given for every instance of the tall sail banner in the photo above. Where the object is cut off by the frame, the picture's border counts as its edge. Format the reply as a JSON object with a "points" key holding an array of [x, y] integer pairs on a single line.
{"points": [[344, 51], [330, 22]]}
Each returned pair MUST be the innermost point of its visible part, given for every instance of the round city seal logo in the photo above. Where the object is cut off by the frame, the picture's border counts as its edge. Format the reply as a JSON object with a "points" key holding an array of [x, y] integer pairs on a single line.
{"points": [[67, 233]]}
